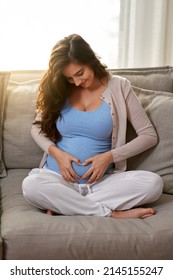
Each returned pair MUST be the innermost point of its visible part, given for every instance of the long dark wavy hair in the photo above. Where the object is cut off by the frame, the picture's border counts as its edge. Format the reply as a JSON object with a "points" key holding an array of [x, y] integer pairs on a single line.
{"points": [[54, 88]]}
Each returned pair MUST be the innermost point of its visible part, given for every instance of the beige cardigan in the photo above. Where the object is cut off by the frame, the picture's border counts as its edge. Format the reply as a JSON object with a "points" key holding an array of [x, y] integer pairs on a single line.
{"points": [[124, 105]]}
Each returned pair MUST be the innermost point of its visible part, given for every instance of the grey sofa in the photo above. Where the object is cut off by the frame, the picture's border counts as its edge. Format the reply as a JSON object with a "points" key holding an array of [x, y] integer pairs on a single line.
{"points": [[28, 233]]}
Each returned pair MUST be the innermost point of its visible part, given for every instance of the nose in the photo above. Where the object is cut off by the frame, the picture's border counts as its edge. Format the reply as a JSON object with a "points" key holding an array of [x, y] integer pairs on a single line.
{"points": [[77, 81]]}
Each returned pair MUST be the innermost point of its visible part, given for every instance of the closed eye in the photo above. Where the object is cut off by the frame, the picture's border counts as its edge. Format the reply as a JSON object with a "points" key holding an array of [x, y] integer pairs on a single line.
{"points": [[80, 74]]}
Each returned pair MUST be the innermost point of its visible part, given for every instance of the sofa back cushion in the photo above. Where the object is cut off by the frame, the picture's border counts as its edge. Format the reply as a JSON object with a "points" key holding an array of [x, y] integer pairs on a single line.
{"points": [[156, 78], [159, 107], [20, 150], [4, 76]]}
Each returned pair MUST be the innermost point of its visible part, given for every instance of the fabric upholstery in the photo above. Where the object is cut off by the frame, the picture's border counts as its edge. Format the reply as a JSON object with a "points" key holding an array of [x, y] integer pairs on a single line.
{"points": [[1, 247], [29, 233], [159, 107], [1, 241], [20, 150], [158, 78], [25, 76], [4, 76]]}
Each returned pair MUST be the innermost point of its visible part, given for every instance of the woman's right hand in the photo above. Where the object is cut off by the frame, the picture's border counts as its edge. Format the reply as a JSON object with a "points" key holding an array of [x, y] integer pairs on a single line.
{"points": [[64, 161]]}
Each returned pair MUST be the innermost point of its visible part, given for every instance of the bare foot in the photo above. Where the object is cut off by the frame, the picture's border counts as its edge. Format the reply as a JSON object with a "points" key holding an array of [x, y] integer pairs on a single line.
{"points": [[140, 213], [50, 212]]}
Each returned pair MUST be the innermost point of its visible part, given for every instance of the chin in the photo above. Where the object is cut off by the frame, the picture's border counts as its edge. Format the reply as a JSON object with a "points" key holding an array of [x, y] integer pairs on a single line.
{"points": [[85, 85]]}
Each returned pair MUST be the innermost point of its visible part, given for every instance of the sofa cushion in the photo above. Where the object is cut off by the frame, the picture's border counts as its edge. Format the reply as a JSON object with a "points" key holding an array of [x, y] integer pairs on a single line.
{"points": [[20, 150], [23, 76], [154, 78], [159, 107], [4, 76], [29, 233], [1, 242]]}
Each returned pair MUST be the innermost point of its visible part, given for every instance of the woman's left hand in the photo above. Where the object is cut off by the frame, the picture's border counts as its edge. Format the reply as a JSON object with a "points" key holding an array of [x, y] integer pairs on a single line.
{"points": [[99, 164]]}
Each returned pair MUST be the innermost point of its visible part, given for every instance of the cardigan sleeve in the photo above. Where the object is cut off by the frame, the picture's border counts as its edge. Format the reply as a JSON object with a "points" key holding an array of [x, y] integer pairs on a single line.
{"points": [[42, 141], [146, 134]]}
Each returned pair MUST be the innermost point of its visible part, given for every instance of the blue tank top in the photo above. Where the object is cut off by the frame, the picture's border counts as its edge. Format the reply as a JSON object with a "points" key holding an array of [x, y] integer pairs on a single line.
{"points": [[83, 135]]}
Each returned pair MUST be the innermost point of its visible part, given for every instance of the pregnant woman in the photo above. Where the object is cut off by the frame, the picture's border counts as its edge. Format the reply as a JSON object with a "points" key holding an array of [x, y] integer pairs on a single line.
{"points": [[82, 113]]}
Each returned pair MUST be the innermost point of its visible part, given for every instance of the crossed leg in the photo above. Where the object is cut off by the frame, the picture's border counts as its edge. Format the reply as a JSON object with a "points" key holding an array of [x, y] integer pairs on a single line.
{"points": [[123, 193], [138, 212]]}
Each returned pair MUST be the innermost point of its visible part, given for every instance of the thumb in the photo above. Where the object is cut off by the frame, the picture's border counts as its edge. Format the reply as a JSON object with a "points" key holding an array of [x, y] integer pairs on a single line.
{"points": [[87, 161], [76, 160]]}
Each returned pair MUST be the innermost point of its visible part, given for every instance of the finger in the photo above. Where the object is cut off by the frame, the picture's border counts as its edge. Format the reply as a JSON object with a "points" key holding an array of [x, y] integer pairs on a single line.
{"points": [[91, 171], [92, 179], [87, 161], [88, 173], [69, 179], [72, 180], [73, 173], [95, 177], [70, 175], [76, 160], [64, 174]]}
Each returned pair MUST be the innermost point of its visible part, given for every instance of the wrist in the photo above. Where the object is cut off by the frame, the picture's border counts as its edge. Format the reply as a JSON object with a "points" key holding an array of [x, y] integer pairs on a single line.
{"points": [[110, 157], [53, 150]]}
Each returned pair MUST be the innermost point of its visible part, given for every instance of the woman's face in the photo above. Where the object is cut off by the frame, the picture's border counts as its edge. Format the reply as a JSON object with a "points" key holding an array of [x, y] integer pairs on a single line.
{"points": [[79, 74]]}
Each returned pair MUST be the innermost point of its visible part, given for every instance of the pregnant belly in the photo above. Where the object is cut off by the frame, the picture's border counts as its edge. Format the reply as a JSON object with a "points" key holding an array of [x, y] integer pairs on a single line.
{"points": [[81, 170], [82, 149]]}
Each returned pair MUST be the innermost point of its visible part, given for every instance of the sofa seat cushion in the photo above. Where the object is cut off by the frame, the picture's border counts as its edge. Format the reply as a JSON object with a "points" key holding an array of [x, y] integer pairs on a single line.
{"points": [[29, 233], [1, 246]]}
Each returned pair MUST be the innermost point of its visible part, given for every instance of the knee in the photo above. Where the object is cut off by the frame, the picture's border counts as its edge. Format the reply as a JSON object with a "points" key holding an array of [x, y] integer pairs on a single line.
{"points": [[28, 186], [156, 186]]}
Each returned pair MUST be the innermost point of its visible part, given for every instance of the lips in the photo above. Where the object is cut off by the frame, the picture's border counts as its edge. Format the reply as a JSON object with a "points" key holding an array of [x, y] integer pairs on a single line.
{"points": [[83, 84]]}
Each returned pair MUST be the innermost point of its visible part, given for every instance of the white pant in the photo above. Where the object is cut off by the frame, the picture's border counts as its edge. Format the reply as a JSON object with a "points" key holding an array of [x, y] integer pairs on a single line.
{"points": [[46, 189]]}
